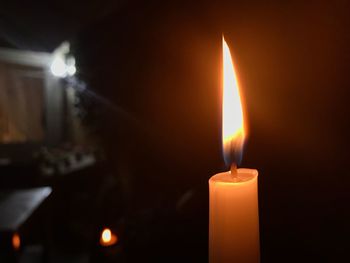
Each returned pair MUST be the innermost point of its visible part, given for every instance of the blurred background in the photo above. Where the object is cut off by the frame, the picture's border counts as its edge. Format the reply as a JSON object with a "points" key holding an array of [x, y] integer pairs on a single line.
{"points": [[110, 127]]}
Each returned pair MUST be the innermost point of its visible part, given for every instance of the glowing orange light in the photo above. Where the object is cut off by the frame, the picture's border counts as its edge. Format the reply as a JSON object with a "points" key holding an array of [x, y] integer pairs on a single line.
{"points": [[108, 238], [16, 241], [233, 130]]}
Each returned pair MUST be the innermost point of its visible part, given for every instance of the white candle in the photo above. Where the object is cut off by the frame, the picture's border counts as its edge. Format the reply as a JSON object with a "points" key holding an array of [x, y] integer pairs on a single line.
{"points": [[233, 217], [233, 195]]}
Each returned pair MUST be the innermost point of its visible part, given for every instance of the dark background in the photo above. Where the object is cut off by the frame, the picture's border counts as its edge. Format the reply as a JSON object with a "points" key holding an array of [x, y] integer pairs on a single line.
{"points": [[159, 65]]}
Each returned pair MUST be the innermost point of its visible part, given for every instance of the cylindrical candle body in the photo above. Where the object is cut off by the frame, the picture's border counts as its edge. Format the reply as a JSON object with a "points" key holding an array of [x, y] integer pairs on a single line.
{"points": [[234, 218]]}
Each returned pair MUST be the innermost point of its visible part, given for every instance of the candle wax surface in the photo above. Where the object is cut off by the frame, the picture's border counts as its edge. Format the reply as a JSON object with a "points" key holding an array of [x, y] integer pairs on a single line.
{"points": [[234, 218]]}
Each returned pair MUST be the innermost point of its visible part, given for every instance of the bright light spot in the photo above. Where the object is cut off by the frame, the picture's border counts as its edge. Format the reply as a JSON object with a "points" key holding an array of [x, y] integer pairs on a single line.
{"points": [[71, 70], [58, 67], [63, 63], [70, 66], [108, 238], [16, 241], [106, 235]]}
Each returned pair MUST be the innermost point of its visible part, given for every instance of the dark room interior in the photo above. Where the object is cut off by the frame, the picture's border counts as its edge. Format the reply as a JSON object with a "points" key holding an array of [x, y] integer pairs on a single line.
{"points": [[111, 123]]}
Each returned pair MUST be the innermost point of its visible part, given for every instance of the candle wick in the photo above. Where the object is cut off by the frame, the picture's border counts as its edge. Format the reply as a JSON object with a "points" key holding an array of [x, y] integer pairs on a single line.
{"points": [[233, 172]]}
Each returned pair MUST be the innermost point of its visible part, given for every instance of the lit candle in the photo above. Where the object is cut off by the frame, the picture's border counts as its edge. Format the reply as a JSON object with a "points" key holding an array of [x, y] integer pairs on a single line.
{"points": [[233, 195], [108, 238]]}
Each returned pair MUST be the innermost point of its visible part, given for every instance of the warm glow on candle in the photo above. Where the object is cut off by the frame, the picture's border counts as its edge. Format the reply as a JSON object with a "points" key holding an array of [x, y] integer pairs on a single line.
{"points": [[233, 130], [108, 238]]}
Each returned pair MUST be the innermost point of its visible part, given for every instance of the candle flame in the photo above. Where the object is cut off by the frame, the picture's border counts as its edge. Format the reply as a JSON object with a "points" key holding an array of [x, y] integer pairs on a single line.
{"points": [[233, 130], [16, 241], [108, 238]]}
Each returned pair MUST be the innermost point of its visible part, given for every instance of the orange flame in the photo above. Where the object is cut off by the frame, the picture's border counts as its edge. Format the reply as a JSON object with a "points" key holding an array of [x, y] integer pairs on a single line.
{"points": [[233, 130], [108, 238], [16, 241]]}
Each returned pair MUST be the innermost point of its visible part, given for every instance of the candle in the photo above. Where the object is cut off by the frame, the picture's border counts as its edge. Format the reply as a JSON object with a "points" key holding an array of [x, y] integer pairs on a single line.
{"points": [[233, 197], [108, 238]]}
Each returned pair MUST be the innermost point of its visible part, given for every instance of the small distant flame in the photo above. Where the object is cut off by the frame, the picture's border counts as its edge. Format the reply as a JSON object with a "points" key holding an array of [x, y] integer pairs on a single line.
{"points": [[233, 130], [16, 241], [108, 238]]}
